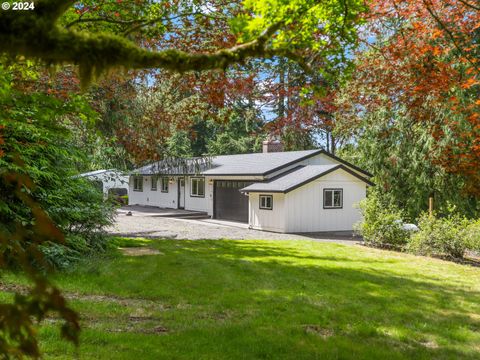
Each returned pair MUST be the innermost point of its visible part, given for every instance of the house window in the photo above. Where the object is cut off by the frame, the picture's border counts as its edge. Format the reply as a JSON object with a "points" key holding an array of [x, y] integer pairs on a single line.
{"points": [[154, 183], [332, 198], [197, 187], [266, 202], [165, 184], [138, 183]]}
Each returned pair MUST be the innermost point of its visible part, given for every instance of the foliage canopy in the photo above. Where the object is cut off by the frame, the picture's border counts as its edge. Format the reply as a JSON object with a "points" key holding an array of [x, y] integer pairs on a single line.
{"points": [[268, 28]]}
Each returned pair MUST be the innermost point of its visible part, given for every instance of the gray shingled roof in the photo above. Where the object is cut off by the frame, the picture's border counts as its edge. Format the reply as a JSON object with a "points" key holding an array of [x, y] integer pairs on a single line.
{"points": [[255, 164], [241, 164], [296, 178]]}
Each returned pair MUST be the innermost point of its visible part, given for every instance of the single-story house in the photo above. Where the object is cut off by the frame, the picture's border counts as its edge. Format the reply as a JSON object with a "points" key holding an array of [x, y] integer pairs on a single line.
{"points": [[294, 191], [109, 181]]}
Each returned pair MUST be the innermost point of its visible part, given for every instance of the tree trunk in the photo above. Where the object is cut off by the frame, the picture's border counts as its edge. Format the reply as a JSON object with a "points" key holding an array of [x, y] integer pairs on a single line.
{"points": [[281, 89], [332, 144]]}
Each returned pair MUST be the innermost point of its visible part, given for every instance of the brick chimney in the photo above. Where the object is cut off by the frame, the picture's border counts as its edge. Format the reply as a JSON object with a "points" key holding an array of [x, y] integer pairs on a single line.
{"points": [[272, 145]]}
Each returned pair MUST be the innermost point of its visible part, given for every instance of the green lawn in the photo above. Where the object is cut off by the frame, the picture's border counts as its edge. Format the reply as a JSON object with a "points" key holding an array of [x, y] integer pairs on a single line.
{"points": [[270, 300]]}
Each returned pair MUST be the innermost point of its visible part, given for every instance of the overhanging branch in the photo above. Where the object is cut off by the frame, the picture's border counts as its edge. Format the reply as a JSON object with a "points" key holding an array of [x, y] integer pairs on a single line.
{"points": [[35, 35]]}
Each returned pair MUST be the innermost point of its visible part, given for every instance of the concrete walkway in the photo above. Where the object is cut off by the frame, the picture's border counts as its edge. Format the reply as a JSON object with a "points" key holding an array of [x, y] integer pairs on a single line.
{"points": [[148, 223]]}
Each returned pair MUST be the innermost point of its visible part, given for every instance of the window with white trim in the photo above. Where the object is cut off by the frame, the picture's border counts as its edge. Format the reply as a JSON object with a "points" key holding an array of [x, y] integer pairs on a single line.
{"points": [[138, 183], [165, 184], [332, 198], [266, 202], [154, 183], [197, 187]]}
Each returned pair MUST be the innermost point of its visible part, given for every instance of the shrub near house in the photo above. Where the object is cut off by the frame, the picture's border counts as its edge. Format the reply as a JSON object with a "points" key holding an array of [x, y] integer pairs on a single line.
{"points": [[448, 237], [473, 236], [441, 237], [380, 226]]}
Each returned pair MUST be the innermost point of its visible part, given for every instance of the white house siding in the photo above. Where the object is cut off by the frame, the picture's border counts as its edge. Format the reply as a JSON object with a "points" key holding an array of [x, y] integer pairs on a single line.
{"points": [[154, 197], [137, 197], [164, 199], [199, 203], [270, 220], [304, 210]]}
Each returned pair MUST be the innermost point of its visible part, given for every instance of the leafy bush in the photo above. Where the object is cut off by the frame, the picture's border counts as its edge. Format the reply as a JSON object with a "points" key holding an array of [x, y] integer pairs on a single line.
{"points": [[37, 145], [473, 236], [445, 237], [441, 237], [59, 256], [81, 213], [382, 224], [80, 209]]}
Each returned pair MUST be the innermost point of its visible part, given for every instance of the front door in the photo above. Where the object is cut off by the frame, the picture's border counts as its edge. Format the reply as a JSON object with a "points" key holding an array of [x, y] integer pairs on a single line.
{"points": [[181, 193]]}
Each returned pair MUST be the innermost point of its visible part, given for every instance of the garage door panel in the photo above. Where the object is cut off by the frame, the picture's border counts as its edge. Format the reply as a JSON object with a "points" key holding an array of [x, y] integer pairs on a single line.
{"points": [[230, 203]]}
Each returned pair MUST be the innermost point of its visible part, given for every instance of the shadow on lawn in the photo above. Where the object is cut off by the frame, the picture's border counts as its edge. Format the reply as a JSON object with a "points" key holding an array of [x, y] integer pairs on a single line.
{"points": [[240, 249], [364, 310]]}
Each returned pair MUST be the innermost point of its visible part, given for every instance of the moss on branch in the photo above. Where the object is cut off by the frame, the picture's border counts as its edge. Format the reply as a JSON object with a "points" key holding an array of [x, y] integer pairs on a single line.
{"points": [[35, 34]]}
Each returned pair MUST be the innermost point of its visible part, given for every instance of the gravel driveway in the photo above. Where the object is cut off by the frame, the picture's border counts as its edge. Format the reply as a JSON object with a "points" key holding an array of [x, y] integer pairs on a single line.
{"points": [[151, 224]]}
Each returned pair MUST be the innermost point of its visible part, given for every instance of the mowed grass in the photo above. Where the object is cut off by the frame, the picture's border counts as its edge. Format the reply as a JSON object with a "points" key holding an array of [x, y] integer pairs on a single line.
{"points": [[269, 300]]}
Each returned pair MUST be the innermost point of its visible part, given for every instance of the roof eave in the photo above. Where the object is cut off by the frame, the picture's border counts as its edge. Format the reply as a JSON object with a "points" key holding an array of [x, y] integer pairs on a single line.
{"points": [[292, 162], [296, 186], [347, 163]]}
